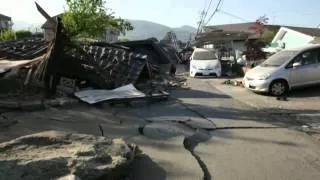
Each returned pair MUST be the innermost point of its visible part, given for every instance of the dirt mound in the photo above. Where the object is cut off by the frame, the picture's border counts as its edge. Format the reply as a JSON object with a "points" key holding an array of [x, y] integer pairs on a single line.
{"points": [[53, 154]]}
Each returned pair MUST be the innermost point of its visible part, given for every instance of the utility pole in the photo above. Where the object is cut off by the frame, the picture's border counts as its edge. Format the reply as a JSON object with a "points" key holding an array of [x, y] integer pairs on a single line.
{"points": [[202, 16]]}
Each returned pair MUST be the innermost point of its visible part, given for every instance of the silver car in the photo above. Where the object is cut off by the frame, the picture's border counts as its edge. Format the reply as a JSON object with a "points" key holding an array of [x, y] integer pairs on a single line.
{"points": [[285, 70]]}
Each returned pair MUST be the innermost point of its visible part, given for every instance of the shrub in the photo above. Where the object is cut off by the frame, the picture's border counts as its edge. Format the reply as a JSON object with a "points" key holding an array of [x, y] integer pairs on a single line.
{"points": [[23, 34], [7, 35]]}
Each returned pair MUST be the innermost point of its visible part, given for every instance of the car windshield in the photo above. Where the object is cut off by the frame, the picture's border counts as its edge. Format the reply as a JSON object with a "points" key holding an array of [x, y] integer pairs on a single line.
{"points": [[279, 58], [204, 55]]}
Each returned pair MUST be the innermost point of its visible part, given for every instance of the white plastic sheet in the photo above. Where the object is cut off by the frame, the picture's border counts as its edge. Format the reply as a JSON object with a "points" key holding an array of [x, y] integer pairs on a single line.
{"points": [[95, 96]]}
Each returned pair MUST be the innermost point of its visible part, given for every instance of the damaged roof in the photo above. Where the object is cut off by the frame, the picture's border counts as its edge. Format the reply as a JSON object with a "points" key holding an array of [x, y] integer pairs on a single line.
{"points": [[149, 47], [66, 65], [27, 48], [241, 27], [100, 65]]}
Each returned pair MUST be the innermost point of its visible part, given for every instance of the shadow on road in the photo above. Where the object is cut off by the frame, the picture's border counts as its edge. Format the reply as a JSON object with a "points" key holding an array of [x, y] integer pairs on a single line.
{"points": [[192, 93], [312, 91], [144, 168], [230, 135], [302, 92]]}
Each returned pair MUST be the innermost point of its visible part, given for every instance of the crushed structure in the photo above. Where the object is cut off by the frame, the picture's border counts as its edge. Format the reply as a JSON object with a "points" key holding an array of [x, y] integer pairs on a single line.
{"points": [[67, 66]]}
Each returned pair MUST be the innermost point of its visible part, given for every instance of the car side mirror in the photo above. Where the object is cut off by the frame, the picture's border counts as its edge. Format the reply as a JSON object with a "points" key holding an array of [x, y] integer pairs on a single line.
{"points": [[297, 64]]}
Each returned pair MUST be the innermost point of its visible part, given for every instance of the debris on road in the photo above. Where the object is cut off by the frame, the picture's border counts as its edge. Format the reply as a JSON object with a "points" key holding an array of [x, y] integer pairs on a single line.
{"points": [[96, 96], [233, 83]]}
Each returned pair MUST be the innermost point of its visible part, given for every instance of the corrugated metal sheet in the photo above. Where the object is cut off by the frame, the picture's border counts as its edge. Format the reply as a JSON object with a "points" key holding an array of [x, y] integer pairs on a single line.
{"points": [[96, 96]]}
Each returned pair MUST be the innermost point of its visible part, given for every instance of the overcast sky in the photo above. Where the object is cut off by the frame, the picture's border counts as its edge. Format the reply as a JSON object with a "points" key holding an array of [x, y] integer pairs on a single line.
{"points": [[175, 13]]}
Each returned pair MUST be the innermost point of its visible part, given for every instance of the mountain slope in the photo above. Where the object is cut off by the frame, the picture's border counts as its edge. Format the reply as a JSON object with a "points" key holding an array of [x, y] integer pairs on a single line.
{"points": [[146, 29], [21, 25]]}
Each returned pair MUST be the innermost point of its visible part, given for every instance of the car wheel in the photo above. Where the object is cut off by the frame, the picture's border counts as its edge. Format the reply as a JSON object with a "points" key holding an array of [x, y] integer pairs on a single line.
{"points": [[278, 88]]}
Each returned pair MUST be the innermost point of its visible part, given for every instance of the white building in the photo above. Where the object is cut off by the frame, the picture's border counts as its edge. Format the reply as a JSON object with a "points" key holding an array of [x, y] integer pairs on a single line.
{"points": [[288, 38]]}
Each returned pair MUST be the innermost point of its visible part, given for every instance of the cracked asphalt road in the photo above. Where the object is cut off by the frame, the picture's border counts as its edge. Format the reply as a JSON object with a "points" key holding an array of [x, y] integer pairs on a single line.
{"points": [[176, 145], [258, 146]]}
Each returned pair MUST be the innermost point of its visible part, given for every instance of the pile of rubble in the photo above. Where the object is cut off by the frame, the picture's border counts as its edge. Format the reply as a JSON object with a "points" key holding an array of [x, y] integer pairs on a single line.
{"points": [[63, 66], [233, 83]]}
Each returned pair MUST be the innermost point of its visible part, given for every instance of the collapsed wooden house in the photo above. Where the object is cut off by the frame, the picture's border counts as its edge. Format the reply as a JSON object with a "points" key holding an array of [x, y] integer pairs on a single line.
{"points": [[66, 65]]}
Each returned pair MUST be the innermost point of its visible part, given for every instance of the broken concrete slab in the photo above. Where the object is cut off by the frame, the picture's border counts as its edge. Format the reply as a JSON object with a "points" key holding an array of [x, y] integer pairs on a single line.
{"points": [[169, 159], [54, 154], [166, 130]]}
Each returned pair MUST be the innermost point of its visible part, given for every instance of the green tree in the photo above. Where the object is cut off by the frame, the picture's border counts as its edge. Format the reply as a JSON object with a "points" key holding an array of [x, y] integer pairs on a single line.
{"points": [[267, 37], [23, 34], [90, 18], [7, 35]]}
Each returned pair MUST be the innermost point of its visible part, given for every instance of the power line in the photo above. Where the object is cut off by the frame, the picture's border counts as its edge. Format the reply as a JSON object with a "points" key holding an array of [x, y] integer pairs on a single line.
{"points": [[205, 5], [203, 16], [232, 15], [214, 12], [200, 22]]}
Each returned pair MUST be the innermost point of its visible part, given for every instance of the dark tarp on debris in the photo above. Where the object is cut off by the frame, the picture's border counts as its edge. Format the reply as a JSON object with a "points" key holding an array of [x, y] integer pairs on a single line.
{"points": [[27, 48], [149, 47], [159, 57]]}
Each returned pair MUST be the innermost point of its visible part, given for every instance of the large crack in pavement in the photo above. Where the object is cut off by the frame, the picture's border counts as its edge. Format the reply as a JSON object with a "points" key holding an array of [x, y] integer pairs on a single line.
{"points": [[193, 136], [193, 133], [189, 143]]}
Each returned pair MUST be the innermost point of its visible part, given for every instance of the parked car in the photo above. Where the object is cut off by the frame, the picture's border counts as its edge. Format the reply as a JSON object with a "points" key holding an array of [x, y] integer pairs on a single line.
{"points": [[285, 70], [204, 62]]}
